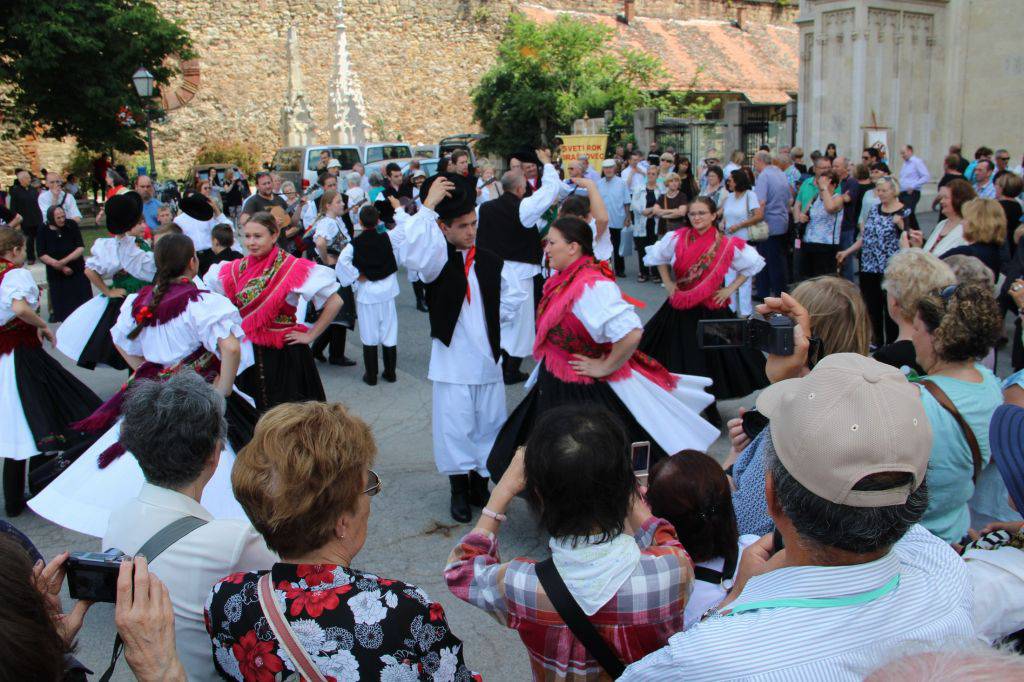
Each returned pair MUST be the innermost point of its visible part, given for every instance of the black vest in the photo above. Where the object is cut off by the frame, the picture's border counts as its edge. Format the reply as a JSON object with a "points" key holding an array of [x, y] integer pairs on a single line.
{"points": [[373, 255], [446, 294], [501, 232]]}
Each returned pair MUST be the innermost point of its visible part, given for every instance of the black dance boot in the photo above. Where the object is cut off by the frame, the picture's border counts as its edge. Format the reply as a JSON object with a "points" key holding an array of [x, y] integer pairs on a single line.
{"points": [[318, 346], [460, 498], [14, 487], [419, 289], [338, 336], [478, 492], [390, 363], [510, 370], [370, 363]]}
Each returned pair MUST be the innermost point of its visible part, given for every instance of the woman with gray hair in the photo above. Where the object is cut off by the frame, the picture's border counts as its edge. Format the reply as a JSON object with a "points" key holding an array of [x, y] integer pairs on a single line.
{"points": [[166, 328]]}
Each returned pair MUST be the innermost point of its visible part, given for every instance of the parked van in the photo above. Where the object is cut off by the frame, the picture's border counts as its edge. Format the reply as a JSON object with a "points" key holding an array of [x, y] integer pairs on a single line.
{"points": [[299, 164], [385, 151], [465, 141]]}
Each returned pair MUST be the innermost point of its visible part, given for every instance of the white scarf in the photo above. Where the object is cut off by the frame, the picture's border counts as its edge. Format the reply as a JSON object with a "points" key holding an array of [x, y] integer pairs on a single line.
{"points": [[595, 572]]}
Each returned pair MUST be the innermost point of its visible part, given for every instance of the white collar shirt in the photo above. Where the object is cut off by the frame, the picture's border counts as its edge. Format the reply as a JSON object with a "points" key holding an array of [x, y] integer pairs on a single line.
{"points": [[191, 566], [932, 603], [69, 204]]}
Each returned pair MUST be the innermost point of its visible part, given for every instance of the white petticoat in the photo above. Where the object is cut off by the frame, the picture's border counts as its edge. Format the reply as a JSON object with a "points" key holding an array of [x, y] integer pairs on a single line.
{"points": [[83, 497], [16, 439]]}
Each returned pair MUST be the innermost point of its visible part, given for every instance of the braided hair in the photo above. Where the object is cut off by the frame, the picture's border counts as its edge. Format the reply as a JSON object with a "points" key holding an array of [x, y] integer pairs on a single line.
{"points": [[172, 254]]}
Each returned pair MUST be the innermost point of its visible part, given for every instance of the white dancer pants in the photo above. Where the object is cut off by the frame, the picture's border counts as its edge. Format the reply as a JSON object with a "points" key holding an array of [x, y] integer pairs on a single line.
{"points": [[466, 421], [517, 335], [378, 323]]}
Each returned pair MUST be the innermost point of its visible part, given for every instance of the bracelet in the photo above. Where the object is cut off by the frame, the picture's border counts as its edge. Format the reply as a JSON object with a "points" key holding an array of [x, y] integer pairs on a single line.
{"points": [[493, 514]]}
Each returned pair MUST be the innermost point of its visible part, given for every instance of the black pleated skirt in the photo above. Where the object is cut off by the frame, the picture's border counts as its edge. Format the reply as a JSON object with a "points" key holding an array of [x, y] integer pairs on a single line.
{"points": [[281, 375], [241, 418], [51, 398], [670, 337], [550, 392], [100, 349]]}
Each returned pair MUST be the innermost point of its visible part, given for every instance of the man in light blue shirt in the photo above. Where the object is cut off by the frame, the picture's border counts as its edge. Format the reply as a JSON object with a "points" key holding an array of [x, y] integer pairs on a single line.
{"points": [[616, 197], [913, 175], [852, 578], [983, 185], [772, 189], [150, 204]]}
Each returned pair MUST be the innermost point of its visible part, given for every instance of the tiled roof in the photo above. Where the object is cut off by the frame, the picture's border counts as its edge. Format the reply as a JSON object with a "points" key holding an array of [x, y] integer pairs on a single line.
{"points": [[759, 61]]}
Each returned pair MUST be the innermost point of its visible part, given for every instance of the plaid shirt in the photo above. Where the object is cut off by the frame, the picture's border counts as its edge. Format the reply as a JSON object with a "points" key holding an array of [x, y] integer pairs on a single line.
{"points": [[646, 611]]}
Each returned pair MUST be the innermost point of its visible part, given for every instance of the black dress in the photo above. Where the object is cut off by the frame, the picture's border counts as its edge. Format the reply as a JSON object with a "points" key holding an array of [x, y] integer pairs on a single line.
{"points": [[67, 292]]}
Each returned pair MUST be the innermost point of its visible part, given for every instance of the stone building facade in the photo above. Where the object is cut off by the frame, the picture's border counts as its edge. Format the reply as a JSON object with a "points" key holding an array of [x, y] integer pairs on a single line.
{"points": [[415, 64], [926, 72]]}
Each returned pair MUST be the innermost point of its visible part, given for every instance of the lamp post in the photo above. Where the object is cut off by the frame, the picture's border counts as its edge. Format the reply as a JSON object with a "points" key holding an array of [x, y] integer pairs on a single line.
{"points": [[143, 81]]}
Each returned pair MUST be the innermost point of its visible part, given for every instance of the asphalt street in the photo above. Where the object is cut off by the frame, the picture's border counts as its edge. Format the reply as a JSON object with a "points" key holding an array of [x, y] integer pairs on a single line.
{"points": [[411, 532]]}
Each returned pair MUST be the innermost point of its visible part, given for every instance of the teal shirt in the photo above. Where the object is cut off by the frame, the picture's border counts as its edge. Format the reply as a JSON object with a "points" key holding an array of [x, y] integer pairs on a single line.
{"points": [[950, 467]]}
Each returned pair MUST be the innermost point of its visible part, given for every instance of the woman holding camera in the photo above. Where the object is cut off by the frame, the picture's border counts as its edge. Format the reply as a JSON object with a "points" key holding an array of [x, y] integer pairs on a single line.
{"points": [[693, 263], [587, 334], [624, 568]]}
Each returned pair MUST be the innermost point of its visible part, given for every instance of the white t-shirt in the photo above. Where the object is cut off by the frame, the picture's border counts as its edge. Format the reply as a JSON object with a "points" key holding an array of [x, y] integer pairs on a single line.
{"points": [[737, 210]]}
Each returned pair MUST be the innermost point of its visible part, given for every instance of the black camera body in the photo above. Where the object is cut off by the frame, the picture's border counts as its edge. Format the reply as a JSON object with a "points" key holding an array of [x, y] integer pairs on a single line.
{"points": [[773, 335], [92, 576]]}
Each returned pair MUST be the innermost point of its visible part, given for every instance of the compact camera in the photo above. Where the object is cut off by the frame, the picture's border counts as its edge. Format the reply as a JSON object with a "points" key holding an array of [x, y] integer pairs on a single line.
{"points": [[773, 335], [92, 576]]}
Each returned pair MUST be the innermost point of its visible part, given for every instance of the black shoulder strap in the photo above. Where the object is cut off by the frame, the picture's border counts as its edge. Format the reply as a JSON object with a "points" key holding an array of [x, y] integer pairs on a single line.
{"points": [[575, 619], [151, 549], [710, 575]]}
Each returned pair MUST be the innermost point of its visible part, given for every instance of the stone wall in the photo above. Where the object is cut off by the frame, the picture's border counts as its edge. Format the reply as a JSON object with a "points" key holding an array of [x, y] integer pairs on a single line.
{"points": [[416, 64]]}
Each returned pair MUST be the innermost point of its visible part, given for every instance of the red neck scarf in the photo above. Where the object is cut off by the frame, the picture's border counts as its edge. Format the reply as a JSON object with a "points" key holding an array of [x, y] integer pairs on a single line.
{"points": [[701, 263], [172, 303], [259, 286], [470, 257]]}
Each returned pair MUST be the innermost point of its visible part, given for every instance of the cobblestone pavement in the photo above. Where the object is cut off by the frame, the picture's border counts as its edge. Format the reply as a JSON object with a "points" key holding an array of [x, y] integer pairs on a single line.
{"points": [[410, 531]]}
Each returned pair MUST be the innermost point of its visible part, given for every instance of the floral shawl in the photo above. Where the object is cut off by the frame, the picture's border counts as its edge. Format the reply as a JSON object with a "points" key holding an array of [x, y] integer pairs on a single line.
{"points": [[701, 263], [259, 287]]}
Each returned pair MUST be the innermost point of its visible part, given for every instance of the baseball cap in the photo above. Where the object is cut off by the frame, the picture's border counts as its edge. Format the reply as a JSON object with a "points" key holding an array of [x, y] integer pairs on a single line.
{"points": [[1006, 436], [608, 163], [334, 163], [418, 174], [851, 417]]}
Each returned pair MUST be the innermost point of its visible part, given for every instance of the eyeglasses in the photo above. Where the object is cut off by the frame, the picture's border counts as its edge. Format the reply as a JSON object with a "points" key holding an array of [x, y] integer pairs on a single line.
{"points": [[376, 485]]}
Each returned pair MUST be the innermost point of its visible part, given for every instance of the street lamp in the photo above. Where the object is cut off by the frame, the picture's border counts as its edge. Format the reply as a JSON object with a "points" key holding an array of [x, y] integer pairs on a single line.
{"points": [[143, 81]]}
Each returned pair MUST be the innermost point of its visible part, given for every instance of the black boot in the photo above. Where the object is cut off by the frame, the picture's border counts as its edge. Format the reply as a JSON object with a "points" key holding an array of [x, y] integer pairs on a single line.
{"points": [[370, 363], [390, 363], [460, 498], [319, 346], [14, 487], [419, 289], [510, 370], [338, 336], [478, 492]]}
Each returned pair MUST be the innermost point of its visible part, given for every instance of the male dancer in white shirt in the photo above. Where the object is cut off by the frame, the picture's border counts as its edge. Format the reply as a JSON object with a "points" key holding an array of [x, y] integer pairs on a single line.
{"points": [[470, 292]]}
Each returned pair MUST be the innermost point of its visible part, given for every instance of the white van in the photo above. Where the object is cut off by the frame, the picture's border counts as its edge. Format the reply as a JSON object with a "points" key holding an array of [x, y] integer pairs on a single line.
{"points": [[299, 164], [385, 151]]}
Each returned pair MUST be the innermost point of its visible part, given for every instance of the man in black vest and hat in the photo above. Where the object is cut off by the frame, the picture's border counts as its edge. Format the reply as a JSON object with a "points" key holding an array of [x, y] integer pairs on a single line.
{"points": [[470, 292], [510, 227]]}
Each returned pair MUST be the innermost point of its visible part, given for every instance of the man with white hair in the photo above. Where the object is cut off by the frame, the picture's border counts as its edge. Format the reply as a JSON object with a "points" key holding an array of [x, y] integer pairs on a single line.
{"points": [[54, 195]]}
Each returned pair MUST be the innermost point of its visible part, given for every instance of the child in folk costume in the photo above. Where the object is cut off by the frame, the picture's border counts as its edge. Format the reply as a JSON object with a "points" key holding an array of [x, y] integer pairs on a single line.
{"points": [[369, 264], [266, 286], [39, 397], [169, 327], [470, 294], [587, 335], [330, 234], [126, 258], [700, 256]]}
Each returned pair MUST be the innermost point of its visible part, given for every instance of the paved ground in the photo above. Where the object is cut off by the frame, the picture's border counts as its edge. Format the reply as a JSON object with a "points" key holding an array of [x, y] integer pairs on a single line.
{"points": [[411, 532]]}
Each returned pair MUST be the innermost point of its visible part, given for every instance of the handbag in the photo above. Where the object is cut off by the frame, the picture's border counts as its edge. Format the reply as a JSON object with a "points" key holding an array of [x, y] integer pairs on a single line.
{"points": [[576, 620], [283, 632], [972, 442], [758, 232]]}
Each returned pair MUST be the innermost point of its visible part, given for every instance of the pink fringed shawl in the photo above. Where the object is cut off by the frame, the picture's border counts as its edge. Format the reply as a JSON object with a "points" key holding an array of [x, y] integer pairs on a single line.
{"points": [[560, 334], [259, 287], [701, 263]]}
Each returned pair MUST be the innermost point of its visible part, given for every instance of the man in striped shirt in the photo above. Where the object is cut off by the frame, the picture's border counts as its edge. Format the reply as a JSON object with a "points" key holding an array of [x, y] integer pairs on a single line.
{"points": [[856, 578]]}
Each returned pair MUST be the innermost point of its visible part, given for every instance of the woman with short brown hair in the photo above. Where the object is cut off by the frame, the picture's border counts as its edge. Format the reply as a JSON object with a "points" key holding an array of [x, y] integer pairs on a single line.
{"points": [[305, 482]]}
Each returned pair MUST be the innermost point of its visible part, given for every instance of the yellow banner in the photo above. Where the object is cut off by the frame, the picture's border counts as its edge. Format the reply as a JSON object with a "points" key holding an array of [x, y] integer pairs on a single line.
{"points": [[592, 145]]}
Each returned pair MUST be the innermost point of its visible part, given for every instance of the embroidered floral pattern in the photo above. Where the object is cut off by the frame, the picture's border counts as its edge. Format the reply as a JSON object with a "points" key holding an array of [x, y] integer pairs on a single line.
{"points": [[354, 625]]}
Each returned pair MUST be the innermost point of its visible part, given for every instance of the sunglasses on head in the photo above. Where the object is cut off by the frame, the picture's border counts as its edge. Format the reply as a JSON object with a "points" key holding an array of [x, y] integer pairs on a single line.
{"points": [[376, 485], [946, 293]]}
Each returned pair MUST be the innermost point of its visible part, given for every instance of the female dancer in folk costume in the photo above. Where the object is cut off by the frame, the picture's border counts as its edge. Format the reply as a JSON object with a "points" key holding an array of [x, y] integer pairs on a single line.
{"points": [[169, 327], [127, 260], [39, 397], [266, 286], [330, 234], [700, 257], [586, 352], [369, 264]]}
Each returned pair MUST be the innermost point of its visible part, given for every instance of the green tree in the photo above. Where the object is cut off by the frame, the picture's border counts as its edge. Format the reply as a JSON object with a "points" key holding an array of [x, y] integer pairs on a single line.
{"points": [[548, 75], [66, 66]]}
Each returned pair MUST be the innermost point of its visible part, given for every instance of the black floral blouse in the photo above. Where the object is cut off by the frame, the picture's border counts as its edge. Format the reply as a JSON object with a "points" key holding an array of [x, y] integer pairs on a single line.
{"points": [[353, 624]]}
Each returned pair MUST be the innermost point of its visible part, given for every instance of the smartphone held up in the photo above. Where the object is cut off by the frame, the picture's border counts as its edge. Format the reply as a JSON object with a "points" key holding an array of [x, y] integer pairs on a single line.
{"points": [[640, 456]]}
